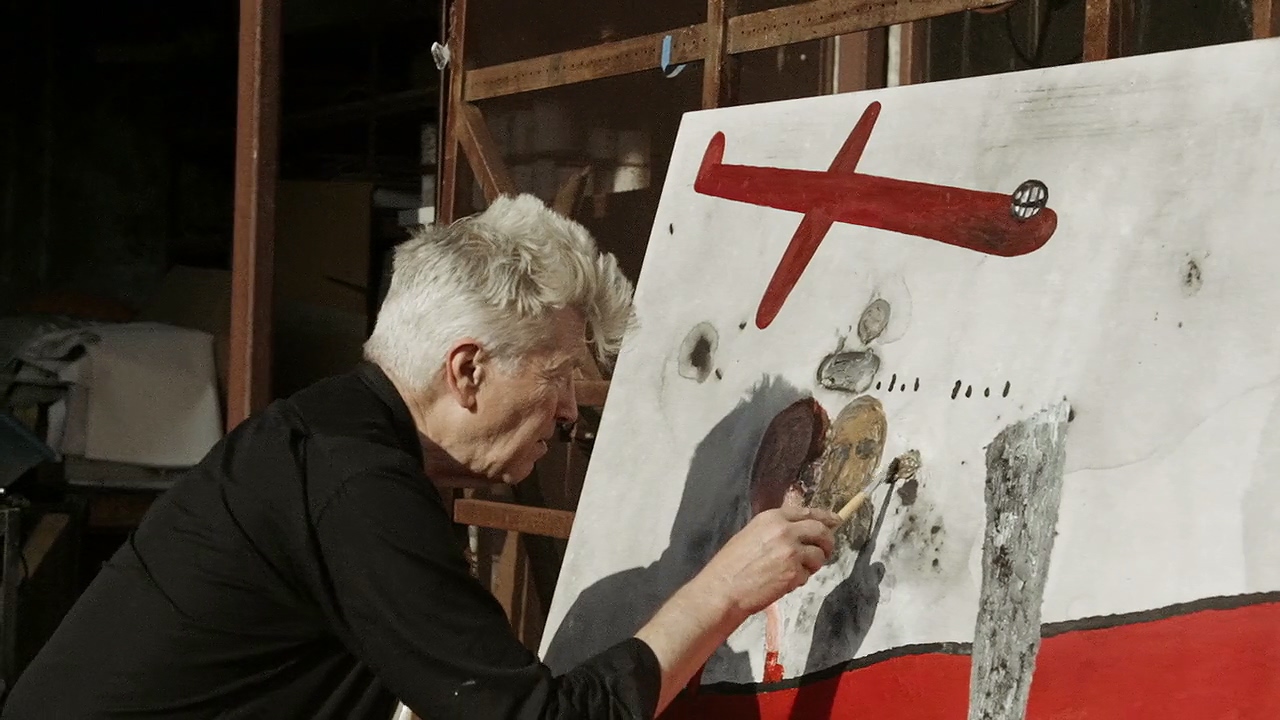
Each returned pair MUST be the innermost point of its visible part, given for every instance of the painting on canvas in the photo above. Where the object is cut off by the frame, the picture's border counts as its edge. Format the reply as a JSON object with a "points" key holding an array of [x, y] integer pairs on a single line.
{"points": [[1046, 304]]}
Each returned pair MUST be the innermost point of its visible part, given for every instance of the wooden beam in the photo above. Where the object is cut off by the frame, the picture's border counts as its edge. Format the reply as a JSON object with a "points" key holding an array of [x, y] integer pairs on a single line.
{"points": [[718, 68], [253, 235], [1266, 19], [118, 511], [47, 532], [756, 31], [913, 58], [447, 187], [861, 61], [512, 517], [482, 153], [1108, 25], [688, 44]]}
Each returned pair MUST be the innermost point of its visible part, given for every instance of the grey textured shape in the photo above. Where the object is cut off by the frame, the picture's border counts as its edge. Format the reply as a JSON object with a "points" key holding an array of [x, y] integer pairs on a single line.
{"points": [[850, 371], [1023, 492], [873, 321]]}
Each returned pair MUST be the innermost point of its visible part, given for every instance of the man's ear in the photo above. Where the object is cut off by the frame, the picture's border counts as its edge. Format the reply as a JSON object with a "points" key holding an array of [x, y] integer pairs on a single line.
{"points": [[464, 370]]}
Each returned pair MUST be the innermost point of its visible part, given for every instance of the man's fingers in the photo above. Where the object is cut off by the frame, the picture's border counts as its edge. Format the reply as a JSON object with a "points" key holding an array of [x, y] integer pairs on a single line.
{"points": [[796, 513], [813, 532], [813, 558], [826, 517]]}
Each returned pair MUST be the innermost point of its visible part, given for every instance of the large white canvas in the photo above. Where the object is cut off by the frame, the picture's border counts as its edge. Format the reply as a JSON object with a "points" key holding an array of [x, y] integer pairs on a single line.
{"points": [[1153, 310]]}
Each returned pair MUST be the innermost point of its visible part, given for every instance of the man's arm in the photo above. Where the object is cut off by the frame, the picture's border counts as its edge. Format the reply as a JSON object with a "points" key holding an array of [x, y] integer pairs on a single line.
{"points": [[774, 554], [403, 601]]}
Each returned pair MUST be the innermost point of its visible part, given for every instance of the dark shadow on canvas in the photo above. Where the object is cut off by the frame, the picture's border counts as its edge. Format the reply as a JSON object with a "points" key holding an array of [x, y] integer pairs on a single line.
{"points": [[714, 507], [842, 624]]}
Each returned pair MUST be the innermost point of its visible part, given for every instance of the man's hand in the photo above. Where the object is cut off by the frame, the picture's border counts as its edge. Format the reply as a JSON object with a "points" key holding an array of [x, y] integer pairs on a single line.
{"points": [[774, 554]]}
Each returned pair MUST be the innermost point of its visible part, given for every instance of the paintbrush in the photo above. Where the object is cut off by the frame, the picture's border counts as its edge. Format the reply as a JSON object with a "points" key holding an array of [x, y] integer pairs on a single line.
{"points": [[903, 467]]}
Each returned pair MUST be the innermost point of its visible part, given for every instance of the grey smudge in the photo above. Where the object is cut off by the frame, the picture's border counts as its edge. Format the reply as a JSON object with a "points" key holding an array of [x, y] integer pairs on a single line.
{"points": [[850, 371], [908, 491], [1192, 280], [697, 352], [873, 321], [1023, 492]]}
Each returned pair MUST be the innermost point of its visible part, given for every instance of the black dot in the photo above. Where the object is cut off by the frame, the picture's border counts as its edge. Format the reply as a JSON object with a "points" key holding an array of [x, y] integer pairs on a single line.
{"points": [[742, 325], [968, 391], [1006, 389], [955, 390], [892, 381], [935, 562], [1071, 415], [671, 229], [917, 386], [877, 385], [986, 392], [719, 374]]}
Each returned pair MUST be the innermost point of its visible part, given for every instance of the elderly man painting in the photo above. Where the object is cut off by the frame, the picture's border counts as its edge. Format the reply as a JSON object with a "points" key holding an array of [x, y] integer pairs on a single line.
{"points": [[307, 568]]}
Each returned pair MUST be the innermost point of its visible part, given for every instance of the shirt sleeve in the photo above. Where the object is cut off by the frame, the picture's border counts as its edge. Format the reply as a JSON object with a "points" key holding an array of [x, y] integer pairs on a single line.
{"points": [[406, 604]]}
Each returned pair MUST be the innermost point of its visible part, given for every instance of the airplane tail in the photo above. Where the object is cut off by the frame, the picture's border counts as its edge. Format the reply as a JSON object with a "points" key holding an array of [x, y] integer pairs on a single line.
{"points": [[711, 159]]}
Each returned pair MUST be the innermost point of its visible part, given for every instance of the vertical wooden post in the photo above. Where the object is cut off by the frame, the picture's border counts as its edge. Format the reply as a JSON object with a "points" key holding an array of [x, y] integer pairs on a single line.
{"points": [[447, 188], [1266, 19], [718, 77], [913, 59], [1108, 25], [861, 60], [257, 137]]}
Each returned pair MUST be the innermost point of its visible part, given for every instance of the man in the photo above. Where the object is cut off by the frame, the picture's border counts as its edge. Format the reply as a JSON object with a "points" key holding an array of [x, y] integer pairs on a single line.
{"points": [[307, 567]]}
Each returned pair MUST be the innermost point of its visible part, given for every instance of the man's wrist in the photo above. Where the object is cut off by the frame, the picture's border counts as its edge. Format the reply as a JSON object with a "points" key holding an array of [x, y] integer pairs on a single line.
{"points": [[711, 594]]}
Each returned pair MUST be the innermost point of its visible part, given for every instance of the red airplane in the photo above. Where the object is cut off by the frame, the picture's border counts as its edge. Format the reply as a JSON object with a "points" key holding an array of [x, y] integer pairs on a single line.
{"points": [[986, 222]]}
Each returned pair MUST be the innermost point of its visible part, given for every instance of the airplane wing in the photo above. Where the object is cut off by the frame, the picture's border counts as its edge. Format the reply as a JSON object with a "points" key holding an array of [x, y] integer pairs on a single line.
{"points": [[804, 243]]}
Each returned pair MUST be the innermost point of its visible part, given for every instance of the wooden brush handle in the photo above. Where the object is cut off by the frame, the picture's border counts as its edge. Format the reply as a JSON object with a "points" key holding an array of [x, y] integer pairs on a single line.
{"points": [[852, 506]]}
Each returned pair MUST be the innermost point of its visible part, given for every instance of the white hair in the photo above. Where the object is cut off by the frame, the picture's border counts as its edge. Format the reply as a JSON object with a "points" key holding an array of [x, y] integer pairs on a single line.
{"points": [[496, 277]]}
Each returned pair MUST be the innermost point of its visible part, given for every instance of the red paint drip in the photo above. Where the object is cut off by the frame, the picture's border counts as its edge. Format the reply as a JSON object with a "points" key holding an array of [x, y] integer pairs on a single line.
{"points": [[773, 670]]}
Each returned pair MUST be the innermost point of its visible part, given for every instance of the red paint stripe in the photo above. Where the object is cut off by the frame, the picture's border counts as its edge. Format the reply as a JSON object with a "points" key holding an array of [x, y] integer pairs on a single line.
{"points": [[973, 219], [804, 243], [1208, 665]]}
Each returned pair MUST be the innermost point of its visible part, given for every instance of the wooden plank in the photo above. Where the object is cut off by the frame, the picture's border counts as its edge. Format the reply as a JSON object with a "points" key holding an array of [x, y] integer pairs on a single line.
{"points": [[1107, 28], [861, 61], [827, 18], [756, 31], [515, 518], [913, 63], [482, 153], [253, 234], [688, 44], [42, 539], [718, 68], [1266, 19], [447, 187], [118, 511]]}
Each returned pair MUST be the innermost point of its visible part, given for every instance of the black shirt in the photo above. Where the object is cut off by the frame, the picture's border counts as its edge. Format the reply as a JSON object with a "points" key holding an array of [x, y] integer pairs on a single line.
{"points": [[307, 569]]}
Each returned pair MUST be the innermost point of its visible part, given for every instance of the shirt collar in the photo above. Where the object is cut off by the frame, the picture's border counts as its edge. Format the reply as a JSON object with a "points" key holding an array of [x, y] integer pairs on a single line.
{"points": [[406, 429]]}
